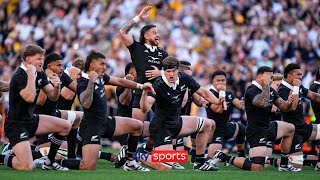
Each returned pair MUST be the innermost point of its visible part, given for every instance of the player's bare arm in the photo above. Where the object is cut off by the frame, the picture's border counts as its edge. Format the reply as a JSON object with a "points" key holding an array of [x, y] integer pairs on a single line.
{"points": [[126, 38], [86, 97]]}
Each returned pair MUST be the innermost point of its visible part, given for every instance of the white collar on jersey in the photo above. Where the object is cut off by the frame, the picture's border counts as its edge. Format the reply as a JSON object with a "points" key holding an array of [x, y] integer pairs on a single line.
{"points": [[25, 68], [287, 84], [172, 85], [257, 84], [66, 71], [212, 87], [85, 75], [150, 47], [316, 82]]}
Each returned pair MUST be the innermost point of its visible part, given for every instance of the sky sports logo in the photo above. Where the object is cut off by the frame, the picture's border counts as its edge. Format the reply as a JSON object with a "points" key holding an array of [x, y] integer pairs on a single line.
{"points": [[163, 156]]}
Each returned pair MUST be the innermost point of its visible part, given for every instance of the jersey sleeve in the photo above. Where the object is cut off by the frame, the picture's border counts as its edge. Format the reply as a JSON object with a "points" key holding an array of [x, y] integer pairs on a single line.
{"points": [[44, 78], [276, 95], [304, 91], [82, 86], [133, 46], [66, 80], [119, 91], [250, 94], [18, 83], [192, 84], [283, 93], [106, 79]]}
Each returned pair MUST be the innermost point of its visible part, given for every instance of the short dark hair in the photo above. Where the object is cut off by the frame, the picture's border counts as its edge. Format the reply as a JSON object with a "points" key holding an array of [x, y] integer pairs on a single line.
{"points": [[217, 73], [184, 65], [92, 55], [170, 62], [128, 67], [31, 50], [143, 31], [289, 68], [264, 69], [51, 58]]}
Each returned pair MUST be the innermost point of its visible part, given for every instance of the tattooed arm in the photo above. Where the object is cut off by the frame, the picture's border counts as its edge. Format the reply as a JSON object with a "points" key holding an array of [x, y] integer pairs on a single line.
{"points": [[86, 97], [262, 100], [127, 39], [313, 96], [4, 86], [285, 106]]}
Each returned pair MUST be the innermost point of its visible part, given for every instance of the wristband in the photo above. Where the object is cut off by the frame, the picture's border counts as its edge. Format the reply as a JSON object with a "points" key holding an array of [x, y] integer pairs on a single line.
{"points": [[295, 90], [136, 19], [222, 94], [139, 86]]}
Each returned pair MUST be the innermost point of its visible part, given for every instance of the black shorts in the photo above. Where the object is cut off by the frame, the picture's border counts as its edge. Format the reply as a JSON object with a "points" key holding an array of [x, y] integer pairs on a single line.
{"points": [[262, 137], [136, 99], [163, 136], [300, 138], [92, 134], [17, 132], [224, 133]]}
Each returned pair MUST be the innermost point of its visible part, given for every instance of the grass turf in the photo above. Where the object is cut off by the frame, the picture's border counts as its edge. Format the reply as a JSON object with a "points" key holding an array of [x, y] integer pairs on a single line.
{"points": [[105, 170]]}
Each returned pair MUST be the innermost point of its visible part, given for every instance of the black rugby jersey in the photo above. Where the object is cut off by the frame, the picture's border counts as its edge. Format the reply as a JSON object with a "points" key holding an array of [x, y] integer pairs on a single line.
{"points": [[221, 119], [168, 100], [63, 103], [123, 110], [258, 118], [19, 110], [295, 117], [97, 112], [143, 57], [315, 106]]}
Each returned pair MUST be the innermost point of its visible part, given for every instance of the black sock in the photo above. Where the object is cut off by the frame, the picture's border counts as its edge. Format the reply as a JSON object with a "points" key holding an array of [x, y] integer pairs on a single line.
{"points": [[105, 155], [148, 149], [200, 158], [72, 140], [284, 159], [36, 155], [241, 153], [132, 145], [7, 160], [69, 163], [192, 151], [79, 149], [310, 162], [318, 151], [226, 158], [56, 141], [174, 147]]}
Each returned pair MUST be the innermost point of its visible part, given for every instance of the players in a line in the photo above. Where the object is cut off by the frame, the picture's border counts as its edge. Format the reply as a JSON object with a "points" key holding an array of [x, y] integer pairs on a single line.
{"points": [[303, 131], [166, 123], [95, 123], [53, 65], [21, 123], [259, 98]]}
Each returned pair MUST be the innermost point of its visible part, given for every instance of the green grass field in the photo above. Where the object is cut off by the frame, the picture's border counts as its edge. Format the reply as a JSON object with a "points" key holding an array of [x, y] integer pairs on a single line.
{"points": [[105, 170]]}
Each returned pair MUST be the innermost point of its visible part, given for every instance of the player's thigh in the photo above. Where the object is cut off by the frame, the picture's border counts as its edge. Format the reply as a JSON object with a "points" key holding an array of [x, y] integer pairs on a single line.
{"points": [[125, 125], [51, 124], [283, 129], [189, 125], [259, 151], [146, 132]]}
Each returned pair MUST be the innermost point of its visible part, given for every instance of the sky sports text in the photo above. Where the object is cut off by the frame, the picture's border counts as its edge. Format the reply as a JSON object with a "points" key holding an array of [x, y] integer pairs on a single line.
{"points": [[163, 156]]}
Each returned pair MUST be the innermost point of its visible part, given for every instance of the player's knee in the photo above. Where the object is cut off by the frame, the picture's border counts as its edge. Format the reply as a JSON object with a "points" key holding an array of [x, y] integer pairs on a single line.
{"points": [[137, 127], [24, 166], [290, 128], [209, 125], [87, 166], [256, 167], [65, 128]]}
